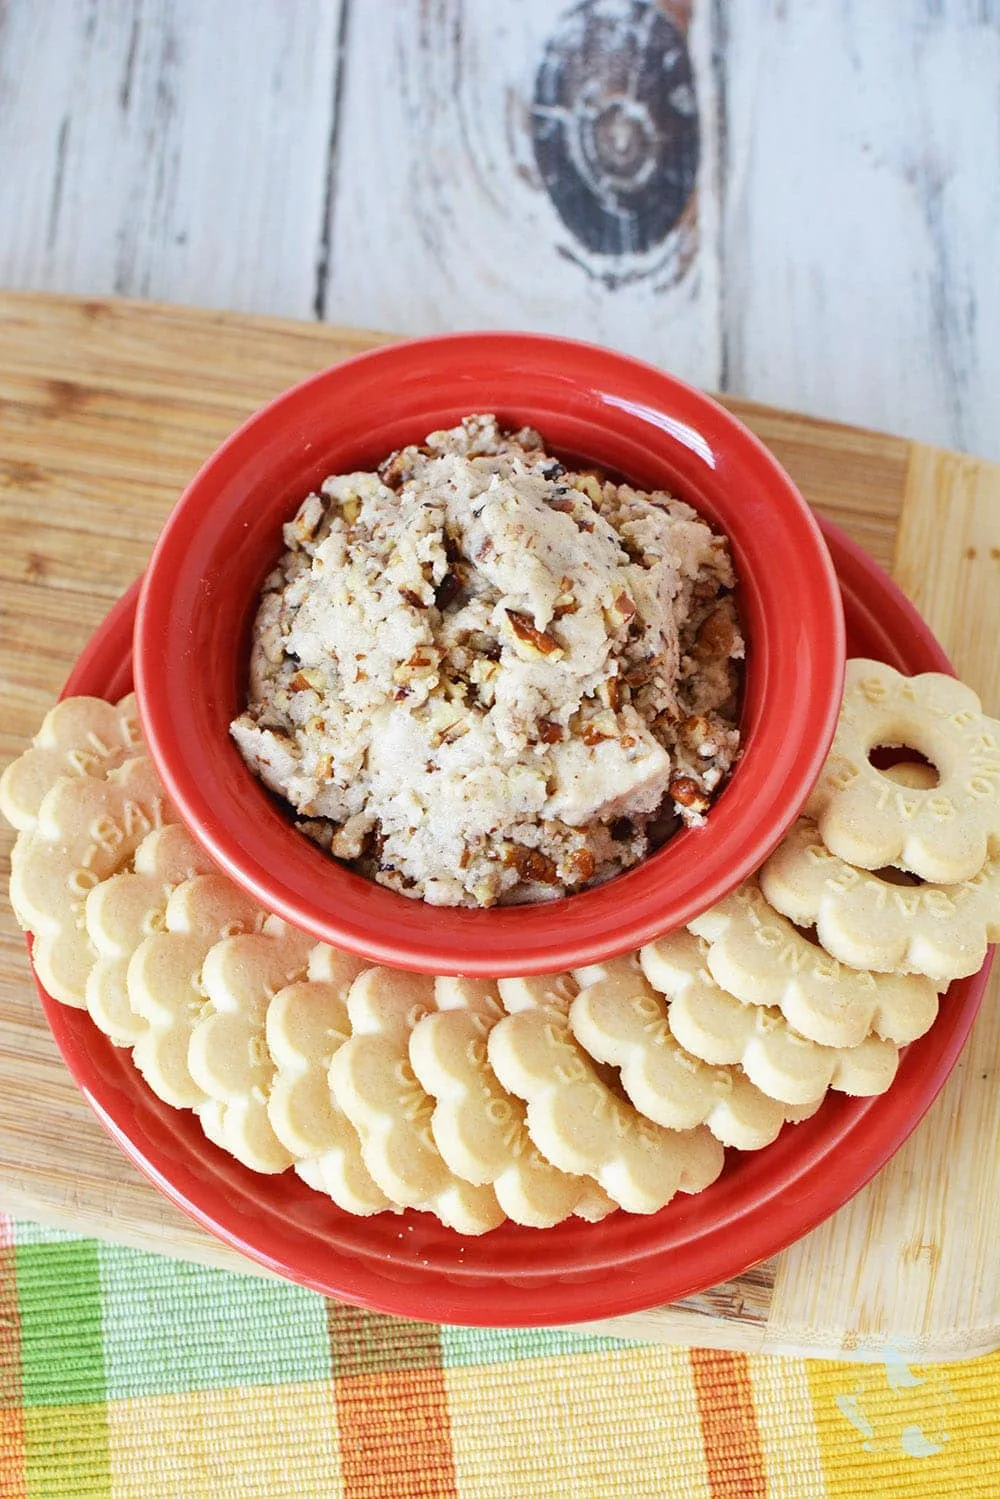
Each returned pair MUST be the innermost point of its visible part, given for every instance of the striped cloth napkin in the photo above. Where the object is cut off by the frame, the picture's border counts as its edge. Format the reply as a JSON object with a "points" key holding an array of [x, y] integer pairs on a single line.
{"points": [[133, 1376]]}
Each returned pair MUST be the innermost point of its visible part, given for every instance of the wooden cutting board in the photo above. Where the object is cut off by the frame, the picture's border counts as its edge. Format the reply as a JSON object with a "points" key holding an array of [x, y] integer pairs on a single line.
{"points": [[106, 410]]}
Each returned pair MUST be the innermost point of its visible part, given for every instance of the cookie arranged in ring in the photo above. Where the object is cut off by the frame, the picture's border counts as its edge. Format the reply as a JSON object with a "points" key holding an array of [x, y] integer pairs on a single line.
{"points": [[227, 1052], [622, 1020], [307, 1022], [581, 1126], [122, 912], [939, 833], [375, 1086], [165, 984], [80, 736], [718, 1028], [873, 921], [478, 1126], [757, 955], [87, 829]]}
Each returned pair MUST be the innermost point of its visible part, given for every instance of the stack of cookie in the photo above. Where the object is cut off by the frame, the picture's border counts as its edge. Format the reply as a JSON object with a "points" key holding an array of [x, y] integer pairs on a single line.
{"points": [[535, 1099]]}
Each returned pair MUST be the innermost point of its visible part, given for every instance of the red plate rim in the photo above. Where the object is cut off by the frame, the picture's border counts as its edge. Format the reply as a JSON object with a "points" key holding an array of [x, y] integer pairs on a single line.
{"points": [[412, 1267]]}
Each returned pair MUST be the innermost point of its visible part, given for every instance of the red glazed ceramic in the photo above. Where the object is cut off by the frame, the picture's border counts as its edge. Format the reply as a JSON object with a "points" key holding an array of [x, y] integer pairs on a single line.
{"points": [[200, 594]]}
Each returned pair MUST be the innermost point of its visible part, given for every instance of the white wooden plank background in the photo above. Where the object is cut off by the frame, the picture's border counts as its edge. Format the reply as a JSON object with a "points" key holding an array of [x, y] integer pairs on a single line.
{"points": [[374, 163]]}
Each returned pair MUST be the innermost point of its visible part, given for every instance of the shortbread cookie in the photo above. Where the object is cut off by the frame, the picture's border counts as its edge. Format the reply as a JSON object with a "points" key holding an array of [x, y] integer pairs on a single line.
{"points": [[227, 1053], [307, 1022], [760, 957], [912, 773], [580, 1126], [122, 911], [866, 818], [81, 736], [374, 1084], [553, 990], [713, 1025], [621, 1019], [164, 979], [875, 922], [87, 829], [478, 1126]]}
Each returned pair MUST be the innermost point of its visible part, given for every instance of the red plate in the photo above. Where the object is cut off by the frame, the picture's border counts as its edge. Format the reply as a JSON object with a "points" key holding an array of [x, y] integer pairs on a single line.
{"points": [[412, 1266]]}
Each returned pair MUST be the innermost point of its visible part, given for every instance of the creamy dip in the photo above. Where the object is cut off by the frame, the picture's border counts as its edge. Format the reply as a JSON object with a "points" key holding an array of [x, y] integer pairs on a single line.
{"points": [[479, 676]]}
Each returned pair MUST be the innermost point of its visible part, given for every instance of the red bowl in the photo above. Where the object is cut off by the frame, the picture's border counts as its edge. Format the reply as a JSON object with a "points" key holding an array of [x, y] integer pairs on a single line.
{"points": [[200, 594]]}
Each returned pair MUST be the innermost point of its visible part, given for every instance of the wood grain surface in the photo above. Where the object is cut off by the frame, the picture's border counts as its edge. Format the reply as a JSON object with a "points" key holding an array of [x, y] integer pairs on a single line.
{"points": [[794, 201], [106, 409]]}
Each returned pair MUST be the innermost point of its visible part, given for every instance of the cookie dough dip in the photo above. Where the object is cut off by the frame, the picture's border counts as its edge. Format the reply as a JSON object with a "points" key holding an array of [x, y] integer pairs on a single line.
{"points": [[478, 676]]}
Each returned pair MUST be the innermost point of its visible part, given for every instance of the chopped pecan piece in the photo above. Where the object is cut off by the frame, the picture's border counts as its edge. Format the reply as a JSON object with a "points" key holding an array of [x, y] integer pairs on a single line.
{"points": [[716, 635], [621, 610], [396, 469], [531, 865], [412, 598], [591, 734], [550, 732], [687, 793], [582, 865], [533, 642]]}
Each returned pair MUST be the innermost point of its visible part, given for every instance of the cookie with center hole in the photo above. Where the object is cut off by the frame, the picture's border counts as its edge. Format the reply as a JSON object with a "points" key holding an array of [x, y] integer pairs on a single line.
{"points": [[940, 833], [757, 955], [621, 1019], [876, 920], [718, 1028], [80, 736], [581, 1126], [375, 1085], [478, 1126]]}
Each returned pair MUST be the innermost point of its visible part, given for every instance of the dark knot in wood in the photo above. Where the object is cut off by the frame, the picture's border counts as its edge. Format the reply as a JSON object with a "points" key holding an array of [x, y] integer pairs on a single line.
{"points": [[615, 124]]}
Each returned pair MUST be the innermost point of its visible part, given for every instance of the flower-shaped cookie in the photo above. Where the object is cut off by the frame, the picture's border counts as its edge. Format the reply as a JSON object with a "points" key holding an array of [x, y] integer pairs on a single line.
{"points": [[374, 1084], [713, 1025], [165, 983], [760, 957], [307, 1022], [578, 1123], [86, 830], [122, 911], [81, 736], [865, 817], [555, 991], [873, 922], [621, 1019], [227, 1053], [478, 1126]]}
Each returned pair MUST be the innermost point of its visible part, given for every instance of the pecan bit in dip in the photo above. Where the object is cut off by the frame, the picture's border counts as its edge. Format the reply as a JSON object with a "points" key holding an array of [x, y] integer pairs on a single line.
{"points": [[480, 676]]}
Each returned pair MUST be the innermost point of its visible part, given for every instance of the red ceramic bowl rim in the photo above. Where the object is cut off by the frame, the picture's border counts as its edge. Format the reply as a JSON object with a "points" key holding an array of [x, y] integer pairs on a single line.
{"points": [[796, 1187], [765, 793]]}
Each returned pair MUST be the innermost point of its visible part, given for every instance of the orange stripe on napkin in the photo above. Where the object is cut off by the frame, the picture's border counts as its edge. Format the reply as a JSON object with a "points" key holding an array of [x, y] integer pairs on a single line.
{"points": [[733, 1455], [395, 1436], [12, 1451]]}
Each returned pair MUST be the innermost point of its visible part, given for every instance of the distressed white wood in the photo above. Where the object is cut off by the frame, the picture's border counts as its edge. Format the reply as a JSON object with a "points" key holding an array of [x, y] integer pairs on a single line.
{"points": [[173, 149], [439, 219], [862, 213], [841, 258]]}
